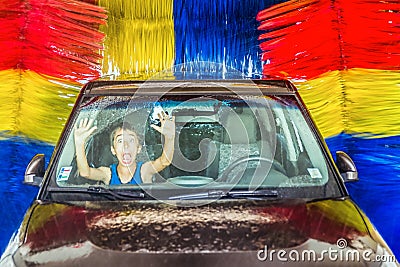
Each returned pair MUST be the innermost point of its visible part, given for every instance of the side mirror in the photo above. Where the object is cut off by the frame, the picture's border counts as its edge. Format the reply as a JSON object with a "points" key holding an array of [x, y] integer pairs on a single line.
{"points": [[35, 170], [346, 167]]}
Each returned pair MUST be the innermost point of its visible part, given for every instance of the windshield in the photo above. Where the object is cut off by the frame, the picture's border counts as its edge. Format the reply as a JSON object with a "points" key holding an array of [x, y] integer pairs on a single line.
{"points": [[180, 142]]}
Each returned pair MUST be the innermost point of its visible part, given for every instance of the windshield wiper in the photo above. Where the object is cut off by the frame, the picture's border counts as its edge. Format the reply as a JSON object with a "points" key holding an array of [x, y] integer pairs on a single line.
{"points": [[109, 193], [121, 195], [256, 194]]}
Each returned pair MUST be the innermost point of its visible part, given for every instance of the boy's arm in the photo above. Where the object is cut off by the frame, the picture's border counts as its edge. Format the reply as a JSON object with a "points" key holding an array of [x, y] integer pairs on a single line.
{"points": [[167, 129], [81, 134]]}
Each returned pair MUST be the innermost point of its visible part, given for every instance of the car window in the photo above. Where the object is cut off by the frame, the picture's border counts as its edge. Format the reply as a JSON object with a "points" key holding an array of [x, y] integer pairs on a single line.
{"points": [[251, 141]]}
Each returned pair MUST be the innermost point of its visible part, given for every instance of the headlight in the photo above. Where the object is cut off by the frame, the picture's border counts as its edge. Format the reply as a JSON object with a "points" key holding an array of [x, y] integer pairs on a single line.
{"points": [[384, 257], [6, 259]]}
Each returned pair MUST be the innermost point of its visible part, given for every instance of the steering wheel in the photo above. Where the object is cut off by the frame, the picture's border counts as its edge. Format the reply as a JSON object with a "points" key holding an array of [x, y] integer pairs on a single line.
{"points": [[276, 165]]}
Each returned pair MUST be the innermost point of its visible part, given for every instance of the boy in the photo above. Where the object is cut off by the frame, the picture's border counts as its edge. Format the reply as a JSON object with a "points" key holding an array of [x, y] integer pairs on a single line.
{"points": [[125, 146]]}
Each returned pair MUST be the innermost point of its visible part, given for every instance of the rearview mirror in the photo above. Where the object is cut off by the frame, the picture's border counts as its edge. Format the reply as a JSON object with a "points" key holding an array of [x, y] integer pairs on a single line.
{"points": [[35, 170], [346, 167]]}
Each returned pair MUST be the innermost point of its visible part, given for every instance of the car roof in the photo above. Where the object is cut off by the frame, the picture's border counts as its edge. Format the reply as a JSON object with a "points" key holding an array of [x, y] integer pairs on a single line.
{"points": [[121, 87]]}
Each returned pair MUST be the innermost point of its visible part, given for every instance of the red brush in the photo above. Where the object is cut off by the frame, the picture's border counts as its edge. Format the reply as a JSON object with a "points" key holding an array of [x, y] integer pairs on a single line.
{"points": [[11, 21], [54, 37], [307, 38]]}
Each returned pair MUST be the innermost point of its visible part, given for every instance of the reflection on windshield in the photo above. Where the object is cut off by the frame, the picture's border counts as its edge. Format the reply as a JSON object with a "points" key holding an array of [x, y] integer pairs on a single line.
{"points": [[252, 142]]}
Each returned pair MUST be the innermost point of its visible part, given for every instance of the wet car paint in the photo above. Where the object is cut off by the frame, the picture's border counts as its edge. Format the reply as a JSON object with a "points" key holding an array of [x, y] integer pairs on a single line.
{"points": [[157, 233]]}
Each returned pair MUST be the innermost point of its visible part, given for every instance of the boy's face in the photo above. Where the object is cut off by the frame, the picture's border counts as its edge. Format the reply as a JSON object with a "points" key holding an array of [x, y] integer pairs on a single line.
{"points": [[125, 147]]}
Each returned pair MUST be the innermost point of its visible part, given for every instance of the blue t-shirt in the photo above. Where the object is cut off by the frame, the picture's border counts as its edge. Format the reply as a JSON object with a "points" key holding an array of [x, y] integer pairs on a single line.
{"points": [[135, 179]]}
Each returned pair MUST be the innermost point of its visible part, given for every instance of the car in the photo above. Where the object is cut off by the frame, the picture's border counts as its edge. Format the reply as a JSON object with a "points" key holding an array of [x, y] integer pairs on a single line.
{"points": [[206, 173]]}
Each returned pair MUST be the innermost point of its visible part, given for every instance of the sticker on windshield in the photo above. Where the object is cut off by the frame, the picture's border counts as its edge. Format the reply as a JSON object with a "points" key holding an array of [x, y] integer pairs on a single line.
{"points": [[64, 173], [314, 173]]}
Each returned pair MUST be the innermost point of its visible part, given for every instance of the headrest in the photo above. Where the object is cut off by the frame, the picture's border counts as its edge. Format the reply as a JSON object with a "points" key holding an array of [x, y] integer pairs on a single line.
{"points": [[240, 128]]}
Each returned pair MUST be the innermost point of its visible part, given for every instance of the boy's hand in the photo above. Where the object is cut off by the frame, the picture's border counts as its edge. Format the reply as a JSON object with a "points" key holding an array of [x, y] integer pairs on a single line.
{"points": [[167, 127], [83, 131]]}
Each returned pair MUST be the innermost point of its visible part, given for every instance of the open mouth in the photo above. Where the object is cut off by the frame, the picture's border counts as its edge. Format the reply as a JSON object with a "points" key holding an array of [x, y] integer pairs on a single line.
{"points": [[127, 159]]}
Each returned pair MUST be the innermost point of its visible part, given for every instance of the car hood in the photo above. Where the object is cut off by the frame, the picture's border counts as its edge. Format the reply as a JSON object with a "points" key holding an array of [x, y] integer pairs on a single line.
{"points": [[97, 232]]}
